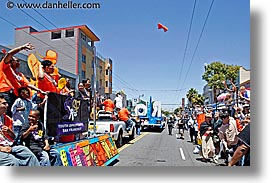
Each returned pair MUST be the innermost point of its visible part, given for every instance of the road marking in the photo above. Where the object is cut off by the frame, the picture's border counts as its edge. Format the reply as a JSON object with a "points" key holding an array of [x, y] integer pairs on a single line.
{"points": [[132, 141], [182, 154]]}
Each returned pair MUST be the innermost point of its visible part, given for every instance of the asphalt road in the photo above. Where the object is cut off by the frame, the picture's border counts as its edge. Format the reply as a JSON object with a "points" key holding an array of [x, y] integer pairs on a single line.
{"points": [[153, 148]]}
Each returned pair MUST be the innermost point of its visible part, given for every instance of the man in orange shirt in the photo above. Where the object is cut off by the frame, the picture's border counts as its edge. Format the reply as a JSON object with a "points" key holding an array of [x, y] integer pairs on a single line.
{"points": [[108, 105], [16, 78], [124, 115], [11, 79]]}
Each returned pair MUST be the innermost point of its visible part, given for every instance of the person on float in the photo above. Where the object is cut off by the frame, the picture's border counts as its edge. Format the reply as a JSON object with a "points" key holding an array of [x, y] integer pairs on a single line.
{"points": [[45, 81], [21, 109], [34, 135], [10, 78], [125, 115], [108, 105]]}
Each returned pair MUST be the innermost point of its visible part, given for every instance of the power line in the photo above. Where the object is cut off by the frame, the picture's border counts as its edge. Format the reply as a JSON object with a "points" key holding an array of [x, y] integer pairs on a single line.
{"points": [[42, 24], [187, 41], [198, 42], [129, 85]]}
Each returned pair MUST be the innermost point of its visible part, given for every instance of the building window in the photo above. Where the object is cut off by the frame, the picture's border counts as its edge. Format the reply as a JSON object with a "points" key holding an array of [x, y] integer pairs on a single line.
{"points": [[83, 58], [106, 83], [106, 72], [90, 42], [56, 35], [69, 33], [83, 36], [83, 73], [100, 69]]}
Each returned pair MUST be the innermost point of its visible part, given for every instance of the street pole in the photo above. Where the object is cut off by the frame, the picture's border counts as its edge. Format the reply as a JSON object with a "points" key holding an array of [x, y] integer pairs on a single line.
{"points": [[94, 89], [108, 68]]}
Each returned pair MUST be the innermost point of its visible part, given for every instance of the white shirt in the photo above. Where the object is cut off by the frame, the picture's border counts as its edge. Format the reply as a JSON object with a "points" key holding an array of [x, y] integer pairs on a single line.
{"points": [[21, 117], [118, 101]]}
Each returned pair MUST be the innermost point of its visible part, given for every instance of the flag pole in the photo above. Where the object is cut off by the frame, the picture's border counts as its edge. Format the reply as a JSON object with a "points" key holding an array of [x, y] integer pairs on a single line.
{"points": [[94, 88]]}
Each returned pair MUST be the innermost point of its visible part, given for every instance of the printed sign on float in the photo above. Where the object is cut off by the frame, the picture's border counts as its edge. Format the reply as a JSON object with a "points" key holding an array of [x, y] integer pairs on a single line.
{"points": [[66, 115]]}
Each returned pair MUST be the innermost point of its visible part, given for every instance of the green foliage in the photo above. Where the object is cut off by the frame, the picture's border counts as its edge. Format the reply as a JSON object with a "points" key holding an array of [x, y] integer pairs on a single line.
{"points": [[166, 113], [191, 93], [194, 97], [216, 72], [178, 110]]}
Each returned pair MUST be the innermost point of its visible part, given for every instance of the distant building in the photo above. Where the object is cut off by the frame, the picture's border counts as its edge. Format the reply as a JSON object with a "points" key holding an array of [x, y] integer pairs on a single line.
{"points": [[208, 95], [74, 46], [244, 77], [104, 75]]}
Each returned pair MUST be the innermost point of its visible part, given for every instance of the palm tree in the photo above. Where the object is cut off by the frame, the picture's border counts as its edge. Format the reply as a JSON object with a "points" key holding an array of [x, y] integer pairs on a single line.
{"points": [[191, 94], [198, 100]]}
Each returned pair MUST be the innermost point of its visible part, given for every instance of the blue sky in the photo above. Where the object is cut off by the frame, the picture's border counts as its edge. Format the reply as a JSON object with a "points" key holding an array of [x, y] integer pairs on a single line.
{"points": [[147, 60]]}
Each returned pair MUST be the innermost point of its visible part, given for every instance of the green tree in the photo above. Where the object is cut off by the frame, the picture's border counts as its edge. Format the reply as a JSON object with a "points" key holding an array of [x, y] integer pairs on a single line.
{"points": [[166, 113], [232, 72], [216, 72], [198, 100], [179, 109]]}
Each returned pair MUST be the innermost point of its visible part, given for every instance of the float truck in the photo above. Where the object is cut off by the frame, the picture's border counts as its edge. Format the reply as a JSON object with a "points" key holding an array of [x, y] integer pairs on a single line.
{"points": [[150, 116]]}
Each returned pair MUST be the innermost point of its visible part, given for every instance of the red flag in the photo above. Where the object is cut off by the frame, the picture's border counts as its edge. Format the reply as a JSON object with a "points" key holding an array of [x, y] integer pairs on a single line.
{"points": [[160, 26]]}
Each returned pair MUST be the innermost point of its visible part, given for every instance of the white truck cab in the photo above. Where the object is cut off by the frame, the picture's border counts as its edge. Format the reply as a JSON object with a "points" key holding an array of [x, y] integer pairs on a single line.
{"points": [[116, 128]]}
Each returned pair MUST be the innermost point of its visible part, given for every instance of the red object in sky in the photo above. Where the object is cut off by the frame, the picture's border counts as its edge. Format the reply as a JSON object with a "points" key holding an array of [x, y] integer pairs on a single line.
{"points": [[160, 26]]}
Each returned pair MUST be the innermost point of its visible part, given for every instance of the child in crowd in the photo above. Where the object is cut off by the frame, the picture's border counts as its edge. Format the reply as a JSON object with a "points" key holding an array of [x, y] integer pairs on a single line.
{"points": [[21, 109]]}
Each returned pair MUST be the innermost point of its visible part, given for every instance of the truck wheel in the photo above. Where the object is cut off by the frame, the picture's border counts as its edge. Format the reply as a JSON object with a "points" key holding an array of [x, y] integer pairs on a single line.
{"points": [[132, 136], [119, 141]]}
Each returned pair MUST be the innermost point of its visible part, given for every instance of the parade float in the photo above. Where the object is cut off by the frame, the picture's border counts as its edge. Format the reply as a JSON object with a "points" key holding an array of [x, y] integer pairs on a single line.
{"points": [[66, 120]]}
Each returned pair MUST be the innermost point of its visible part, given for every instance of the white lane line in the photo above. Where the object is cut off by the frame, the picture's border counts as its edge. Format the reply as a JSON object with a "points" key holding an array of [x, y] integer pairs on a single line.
{"points": [[182, 154]]}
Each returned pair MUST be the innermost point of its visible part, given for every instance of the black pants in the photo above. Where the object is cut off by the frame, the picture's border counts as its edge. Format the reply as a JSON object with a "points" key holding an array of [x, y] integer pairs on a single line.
{"points": [[196, 136], [192, 134], [170, 129]]}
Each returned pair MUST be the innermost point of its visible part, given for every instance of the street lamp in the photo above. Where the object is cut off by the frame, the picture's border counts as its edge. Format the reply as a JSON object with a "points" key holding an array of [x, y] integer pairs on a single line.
{"points": [[108, 70]]}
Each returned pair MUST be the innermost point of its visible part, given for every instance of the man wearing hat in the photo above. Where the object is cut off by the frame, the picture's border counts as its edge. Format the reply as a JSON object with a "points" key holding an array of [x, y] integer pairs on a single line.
{"points": [[206, 133], [228, 133]]}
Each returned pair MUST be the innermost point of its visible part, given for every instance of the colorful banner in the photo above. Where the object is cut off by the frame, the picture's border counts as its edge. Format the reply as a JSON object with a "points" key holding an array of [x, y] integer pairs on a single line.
{"points": [[99, 151], [66, 115]]}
